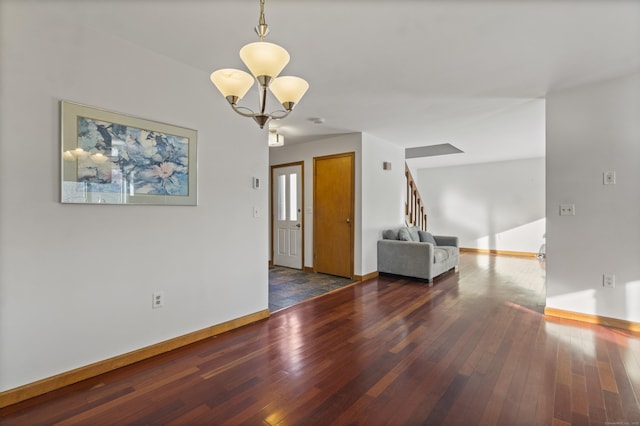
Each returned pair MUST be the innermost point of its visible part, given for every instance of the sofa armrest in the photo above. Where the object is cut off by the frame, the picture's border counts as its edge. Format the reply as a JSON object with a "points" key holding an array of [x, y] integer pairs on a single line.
{"points": [[409, 248], [414, 259], [444, 240]]}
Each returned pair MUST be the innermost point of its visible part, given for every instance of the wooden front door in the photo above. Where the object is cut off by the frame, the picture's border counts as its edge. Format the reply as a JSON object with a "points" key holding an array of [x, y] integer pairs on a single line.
{"points": [[333, 205]]}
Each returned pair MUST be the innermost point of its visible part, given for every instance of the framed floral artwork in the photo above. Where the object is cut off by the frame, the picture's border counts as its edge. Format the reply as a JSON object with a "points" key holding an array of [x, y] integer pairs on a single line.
{"points": [[112, 158]]}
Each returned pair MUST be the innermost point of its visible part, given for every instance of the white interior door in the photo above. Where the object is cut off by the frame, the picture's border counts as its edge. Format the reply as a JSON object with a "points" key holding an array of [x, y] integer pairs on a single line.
{"points": [[287, 216]]}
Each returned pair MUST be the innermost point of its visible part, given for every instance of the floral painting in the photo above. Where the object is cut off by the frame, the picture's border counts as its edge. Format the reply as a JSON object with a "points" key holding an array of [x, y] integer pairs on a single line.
{"points": [[117, 159], [147, 162]]}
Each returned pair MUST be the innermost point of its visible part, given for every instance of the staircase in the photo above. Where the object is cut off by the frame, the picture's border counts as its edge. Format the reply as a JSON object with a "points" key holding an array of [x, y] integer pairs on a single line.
{"points": [[414, 211]]}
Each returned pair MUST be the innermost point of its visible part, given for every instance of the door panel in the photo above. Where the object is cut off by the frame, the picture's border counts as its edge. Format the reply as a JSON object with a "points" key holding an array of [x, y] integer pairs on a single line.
{"points": [[333, 214], [287, 216]]}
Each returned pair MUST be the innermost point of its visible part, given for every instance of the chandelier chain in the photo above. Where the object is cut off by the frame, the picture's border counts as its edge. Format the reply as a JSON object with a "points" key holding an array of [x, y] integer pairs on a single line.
{"points": [[261, 21], [262, 29]]}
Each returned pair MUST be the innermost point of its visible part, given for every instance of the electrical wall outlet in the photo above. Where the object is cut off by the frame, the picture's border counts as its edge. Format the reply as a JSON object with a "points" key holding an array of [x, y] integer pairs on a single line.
{"points": [[609, 281], [567, 209], [609, 178], [158, 300]]}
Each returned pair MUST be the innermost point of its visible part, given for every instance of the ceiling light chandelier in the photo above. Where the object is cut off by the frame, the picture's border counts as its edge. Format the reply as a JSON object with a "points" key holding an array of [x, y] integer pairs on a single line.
{"points": [[265, 61]]}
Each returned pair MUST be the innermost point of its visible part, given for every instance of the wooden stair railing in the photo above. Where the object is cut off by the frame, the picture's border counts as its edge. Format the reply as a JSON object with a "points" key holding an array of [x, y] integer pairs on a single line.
{"points": [[414, 208]]}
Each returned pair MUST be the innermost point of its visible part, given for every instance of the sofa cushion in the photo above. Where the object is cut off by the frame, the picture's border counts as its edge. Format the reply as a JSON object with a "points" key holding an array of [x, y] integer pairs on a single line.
{"points": [[426, 237], [403, 235], [450, 250], [414, 233], [390, 234], [440, 254]]}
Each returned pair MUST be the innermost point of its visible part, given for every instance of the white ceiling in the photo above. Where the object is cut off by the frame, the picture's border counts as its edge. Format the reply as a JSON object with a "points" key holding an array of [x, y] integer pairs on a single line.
{"points": [[471, 73]]}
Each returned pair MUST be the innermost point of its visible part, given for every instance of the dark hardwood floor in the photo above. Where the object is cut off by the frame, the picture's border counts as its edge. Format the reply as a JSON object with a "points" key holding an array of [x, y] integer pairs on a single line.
{"points": [[473, 349]]}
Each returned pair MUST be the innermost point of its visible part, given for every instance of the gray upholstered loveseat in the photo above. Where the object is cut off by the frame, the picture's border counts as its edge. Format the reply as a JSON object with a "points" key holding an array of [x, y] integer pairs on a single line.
{"points": [[410, 252]]}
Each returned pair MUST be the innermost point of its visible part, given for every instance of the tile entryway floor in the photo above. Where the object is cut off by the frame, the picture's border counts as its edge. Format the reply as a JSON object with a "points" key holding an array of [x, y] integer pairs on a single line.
{"points": [[290, 286]]}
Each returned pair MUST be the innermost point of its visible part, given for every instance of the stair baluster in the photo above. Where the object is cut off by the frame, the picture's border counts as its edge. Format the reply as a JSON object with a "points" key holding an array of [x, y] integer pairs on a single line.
{"points": [[414, 208]]}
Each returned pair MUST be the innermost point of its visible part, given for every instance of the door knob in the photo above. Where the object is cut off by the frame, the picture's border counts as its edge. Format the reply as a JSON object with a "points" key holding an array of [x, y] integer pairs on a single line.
{"points": [[298, 225], [348, 220]]}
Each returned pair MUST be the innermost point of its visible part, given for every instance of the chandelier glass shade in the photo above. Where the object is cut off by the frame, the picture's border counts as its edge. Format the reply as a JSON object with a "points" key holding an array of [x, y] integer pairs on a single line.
{"points": [[264, 58], [265, 61]]}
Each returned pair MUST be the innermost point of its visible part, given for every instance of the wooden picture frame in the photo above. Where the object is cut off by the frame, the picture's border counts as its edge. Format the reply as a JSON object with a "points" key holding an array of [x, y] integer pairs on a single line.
{"points": [[113, 158]]}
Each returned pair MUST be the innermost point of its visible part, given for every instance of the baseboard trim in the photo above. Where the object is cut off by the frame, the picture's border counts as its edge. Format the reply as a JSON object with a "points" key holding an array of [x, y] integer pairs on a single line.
{"points": [[593, 319], [499, 252], [308, 269], [30, 390], [366, 276]]}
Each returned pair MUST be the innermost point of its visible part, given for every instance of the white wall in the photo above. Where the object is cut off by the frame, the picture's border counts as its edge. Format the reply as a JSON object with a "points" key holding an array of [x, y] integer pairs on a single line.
{"points": [[378, 196], [306, 152], [590, 130], [383, 193], [495, 206], [76, 280]]}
